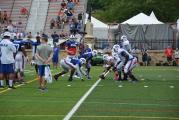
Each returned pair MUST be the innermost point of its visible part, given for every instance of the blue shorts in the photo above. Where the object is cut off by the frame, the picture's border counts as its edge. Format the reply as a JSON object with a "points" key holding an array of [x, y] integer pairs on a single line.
{"points": [[55, 60], [7, 68], [41, 70]]}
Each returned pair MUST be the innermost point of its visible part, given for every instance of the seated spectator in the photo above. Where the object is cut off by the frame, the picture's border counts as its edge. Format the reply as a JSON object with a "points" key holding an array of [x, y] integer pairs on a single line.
{"points": [[63, 17], [80, 17], [24, 11], [52, 23], [70, 5], [63, 4], [62, 35], [5, 17], [1, 17], [69, 14]]}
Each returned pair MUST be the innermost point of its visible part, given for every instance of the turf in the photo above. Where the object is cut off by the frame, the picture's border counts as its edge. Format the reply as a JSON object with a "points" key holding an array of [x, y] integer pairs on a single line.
{"points": [[154, 97]]}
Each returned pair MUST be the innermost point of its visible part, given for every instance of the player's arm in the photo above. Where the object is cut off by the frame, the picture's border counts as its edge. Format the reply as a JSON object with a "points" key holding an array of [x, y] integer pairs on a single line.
{"points": [[50, 56], [13, 48], [38, 56]]}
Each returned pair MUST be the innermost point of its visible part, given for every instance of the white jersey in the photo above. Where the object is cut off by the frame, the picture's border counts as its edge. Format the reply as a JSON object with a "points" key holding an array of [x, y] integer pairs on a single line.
{"points": [[126, 45], [121, 53], [7, 51]]}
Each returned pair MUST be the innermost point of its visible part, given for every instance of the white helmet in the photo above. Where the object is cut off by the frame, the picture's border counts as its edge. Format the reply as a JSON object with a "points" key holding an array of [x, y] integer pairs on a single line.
{"points": [[82, 60], [105, 57], [94, 52], [123, 38], [115, 48], [7, 34], [72, 37]]}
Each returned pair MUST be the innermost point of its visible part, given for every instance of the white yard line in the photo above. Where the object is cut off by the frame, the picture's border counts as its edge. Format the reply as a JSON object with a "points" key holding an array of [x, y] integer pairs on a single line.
{"points": [[75, 108], [95, 116]]}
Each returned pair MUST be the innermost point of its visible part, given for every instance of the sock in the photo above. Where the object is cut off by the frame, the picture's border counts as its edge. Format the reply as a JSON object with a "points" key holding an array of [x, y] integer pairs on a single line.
{"points": [[2, 83], [10, 83]]}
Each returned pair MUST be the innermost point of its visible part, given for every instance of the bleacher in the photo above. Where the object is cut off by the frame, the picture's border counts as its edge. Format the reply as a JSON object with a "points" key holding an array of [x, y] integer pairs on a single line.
{"points": [[53, 10], [13, 10], [7, 5], [16, 11]]}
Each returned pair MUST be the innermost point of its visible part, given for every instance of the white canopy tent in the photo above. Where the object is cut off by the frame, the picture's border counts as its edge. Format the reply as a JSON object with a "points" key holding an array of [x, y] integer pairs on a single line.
{"points": [[143, 19], [100, 29]]}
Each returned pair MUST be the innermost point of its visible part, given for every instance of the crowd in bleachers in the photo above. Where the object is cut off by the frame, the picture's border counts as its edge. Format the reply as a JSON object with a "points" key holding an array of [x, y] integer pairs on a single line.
{"points": [[65, 16]]}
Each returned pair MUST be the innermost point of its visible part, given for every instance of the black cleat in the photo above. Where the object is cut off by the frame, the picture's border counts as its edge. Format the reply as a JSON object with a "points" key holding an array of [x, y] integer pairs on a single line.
{"points": [[55, 77], [2, 87], [70, 79], [102, 77], [12, 87]]}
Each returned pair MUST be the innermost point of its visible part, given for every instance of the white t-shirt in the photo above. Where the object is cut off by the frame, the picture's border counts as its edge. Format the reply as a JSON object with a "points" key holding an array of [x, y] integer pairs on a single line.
{"points": [[7, 50]]}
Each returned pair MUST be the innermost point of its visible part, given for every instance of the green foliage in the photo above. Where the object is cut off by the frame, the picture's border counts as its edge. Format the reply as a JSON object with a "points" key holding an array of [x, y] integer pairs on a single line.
{"points": [[120, 10]]}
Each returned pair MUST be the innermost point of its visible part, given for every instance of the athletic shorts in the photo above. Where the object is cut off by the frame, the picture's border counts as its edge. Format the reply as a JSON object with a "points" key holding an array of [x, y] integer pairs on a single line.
{"points": [[55, 60], [7, 68], [41, 70], [19, 65]]}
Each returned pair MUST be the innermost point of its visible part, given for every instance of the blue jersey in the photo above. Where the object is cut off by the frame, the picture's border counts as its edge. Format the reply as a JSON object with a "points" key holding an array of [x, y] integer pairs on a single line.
{"points": [[87, 55], [72, 46], [87, 50], [76, 61]]}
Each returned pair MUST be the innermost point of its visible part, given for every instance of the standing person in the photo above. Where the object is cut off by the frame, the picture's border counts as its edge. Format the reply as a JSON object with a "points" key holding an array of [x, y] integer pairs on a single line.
{"points": [[55, 37], [34, 50], [177, 56], [169, 54], [56, 50], [44, 56], [7, 60], [145, 57], [20, 61]]}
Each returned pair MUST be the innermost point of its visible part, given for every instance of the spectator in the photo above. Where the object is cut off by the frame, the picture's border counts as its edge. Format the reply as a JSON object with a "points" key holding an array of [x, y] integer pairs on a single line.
{"points": [[169, 55], [80, 17], [70, 5], [145, 57], [56, 50], [1, 17], [5, 17], [55, 37], [52, 23], [177, 56], [63, 4], [24, 11]]}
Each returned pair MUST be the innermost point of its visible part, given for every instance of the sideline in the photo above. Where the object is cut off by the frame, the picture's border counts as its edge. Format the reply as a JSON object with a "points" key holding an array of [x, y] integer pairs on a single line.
{"points": [[3, 91]]}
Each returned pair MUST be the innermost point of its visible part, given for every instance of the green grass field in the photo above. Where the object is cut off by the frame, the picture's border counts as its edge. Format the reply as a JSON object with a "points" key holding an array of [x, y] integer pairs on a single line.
{"points": [[155, 97]]}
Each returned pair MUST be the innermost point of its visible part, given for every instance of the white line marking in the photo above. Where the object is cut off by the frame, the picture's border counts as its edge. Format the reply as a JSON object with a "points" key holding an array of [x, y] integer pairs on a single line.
{"points": [[135, 104], [94, 116], [171, 86], [146, 86], [75, 108]]}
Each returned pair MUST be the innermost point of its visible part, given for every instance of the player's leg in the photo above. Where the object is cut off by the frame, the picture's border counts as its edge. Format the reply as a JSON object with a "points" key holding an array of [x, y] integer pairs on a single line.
{"points": [[65, 68], [128, 68], [71, 74], [11, 74], [41, 73], [88, 68]]}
